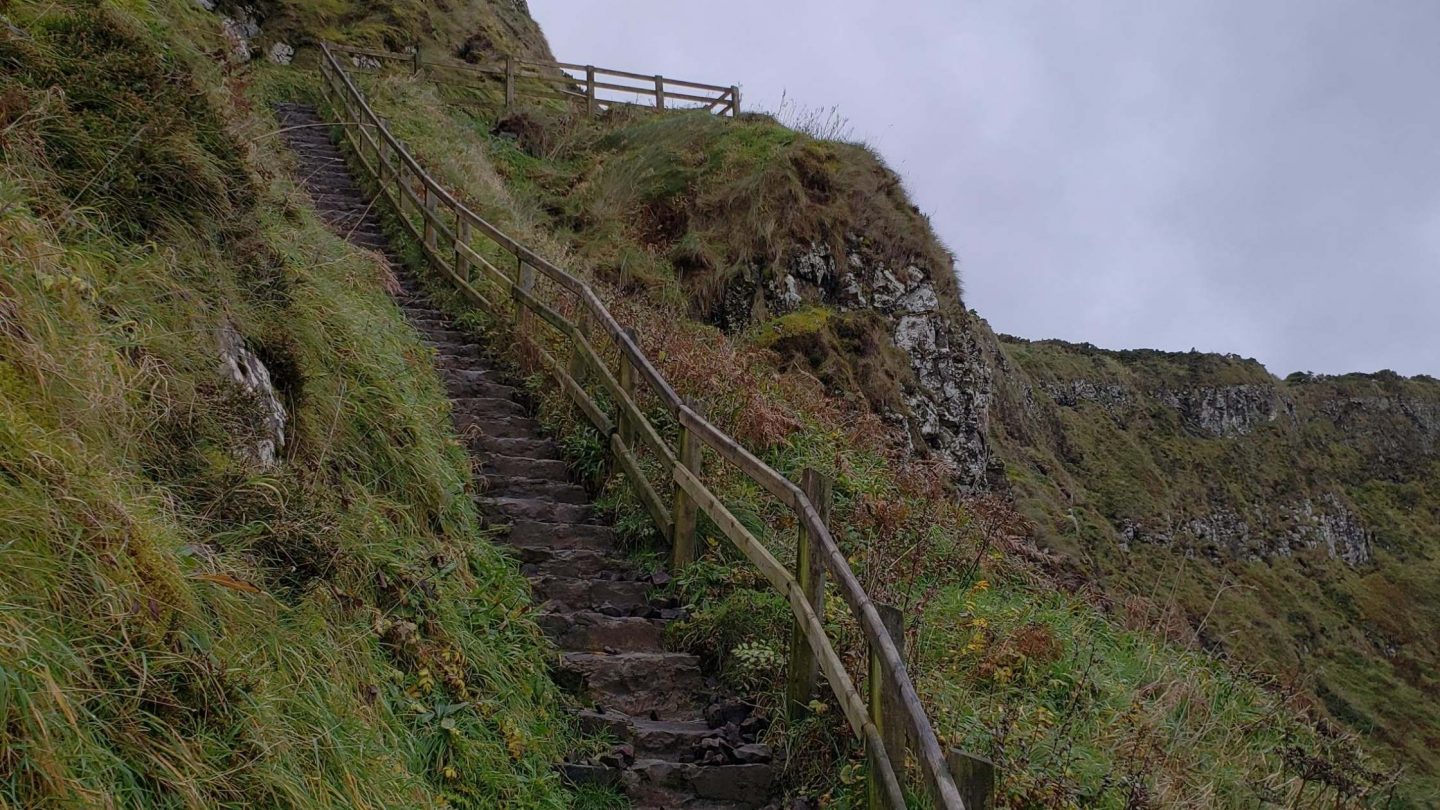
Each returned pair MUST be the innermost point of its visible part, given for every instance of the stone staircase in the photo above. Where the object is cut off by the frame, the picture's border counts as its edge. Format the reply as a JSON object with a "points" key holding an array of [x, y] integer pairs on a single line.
{"points": [[681, 746]]}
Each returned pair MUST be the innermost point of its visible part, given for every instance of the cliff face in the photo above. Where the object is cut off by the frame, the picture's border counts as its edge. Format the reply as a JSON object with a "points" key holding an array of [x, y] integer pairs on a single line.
{"points": [[940, 392], [1290, 524]]}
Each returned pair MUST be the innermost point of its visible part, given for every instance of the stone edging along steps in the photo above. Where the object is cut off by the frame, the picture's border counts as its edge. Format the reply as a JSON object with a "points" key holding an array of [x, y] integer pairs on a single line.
{"points": [[682, 746]]}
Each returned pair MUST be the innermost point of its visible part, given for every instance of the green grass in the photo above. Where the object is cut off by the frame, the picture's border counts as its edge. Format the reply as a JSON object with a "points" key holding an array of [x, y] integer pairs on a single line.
{"points": [[1358, 641], [178, 626]]}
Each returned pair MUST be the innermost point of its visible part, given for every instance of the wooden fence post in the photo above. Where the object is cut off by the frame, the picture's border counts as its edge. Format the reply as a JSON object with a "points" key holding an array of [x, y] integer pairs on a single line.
{"points": [[415, 69], [659, 92], [810, 571], [428, 215], [627, 384], [577, 365], [509, 82], [589, 89], [524, 282], [683, 541], [885, 711], [975, 777], [400, 184], [462, 237], [734, 101]]}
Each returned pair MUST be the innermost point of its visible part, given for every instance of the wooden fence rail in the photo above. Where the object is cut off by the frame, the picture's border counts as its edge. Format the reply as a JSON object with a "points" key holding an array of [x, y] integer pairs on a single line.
{"points": [[593, 87], [548, 307]]}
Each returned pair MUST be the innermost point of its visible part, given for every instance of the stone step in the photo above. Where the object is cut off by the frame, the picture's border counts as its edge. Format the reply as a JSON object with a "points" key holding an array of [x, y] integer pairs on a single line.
{"points": [[652, 739], [536, 509], [454, 362], [667, 684], [494, 406], [423, 323], [532, 534], [626, 597], [747, 784], [446, 335], [522, 467], [476, 382], [572, 563], [497, 426], [505, 486], [531, 448], [588, 631]]}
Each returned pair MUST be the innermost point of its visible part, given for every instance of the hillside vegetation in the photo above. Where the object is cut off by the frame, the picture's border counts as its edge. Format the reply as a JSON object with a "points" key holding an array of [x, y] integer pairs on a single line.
{"points": [[1289, 524], [669, 216], [184, 622]]}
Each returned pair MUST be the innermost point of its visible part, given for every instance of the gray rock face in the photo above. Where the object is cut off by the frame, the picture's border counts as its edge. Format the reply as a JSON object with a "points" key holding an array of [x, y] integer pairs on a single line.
{"points": [[239, 30], [946, 404], [1332, 525], [280, 53], [1233, 410], [1422, 417], [243, 367], [1324, 522], [1109, 396]]}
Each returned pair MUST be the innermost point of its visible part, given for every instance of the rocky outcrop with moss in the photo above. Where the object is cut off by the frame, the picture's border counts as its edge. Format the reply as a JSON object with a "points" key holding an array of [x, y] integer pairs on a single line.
{"points": [[938, 393]]}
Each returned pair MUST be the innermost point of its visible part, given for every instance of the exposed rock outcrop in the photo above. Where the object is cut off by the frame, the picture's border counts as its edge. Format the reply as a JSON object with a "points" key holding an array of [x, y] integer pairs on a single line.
{"points": [[266, 436], [946, 400], [1232, 410], [1324, 523]]}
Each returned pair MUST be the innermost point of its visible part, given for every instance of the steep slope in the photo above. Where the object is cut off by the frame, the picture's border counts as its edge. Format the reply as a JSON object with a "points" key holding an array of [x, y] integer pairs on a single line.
{"points": [[715, 239], [599, 605], [241, 564], [1290, 524]]}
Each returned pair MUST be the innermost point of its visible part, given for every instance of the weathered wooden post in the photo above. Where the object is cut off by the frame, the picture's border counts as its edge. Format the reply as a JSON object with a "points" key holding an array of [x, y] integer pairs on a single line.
{"points": [[462, 237], [885, 711], [428, 215], [659, 92], [683, 548], [975, 778], [578, 361], [627, 384], [509, 83], [400, 180], [415, 68], [734, 101], [589, 89], [524, 283], [810, 572]]}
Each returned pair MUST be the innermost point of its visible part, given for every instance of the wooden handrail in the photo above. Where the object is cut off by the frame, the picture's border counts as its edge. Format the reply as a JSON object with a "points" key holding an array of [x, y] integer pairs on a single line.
{"points": [[714, 97], [887, 663]]}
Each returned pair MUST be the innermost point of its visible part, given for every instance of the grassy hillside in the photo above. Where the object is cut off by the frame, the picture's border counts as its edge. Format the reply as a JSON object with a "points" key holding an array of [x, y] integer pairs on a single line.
{"points": [[466, 30], [1290, 524], [1077, 707], [182, 624]]}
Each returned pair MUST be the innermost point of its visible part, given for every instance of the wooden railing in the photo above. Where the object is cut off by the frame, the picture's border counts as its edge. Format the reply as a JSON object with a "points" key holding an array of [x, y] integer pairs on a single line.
{"points": [[534, 295], [592, 87]]}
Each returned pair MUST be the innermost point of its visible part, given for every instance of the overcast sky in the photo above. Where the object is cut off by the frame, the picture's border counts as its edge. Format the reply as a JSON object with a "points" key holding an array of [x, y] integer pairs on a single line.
{"points": [[1261, 178]]}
